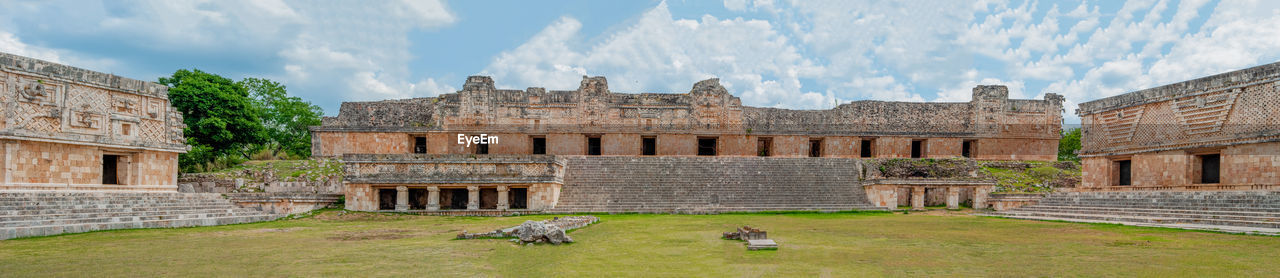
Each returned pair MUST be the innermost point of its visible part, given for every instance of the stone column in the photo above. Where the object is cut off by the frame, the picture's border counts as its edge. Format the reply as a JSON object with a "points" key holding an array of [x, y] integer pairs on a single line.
{"points": [[473, 197], [917, 197], [953, 197], [502, 198], [980, 196], [433, 198], [402, 198]]}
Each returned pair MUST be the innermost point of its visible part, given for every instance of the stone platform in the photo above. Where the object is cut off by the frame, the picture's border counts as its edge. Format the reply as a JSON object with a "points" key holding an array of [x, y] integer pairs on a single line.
{"points": [[761, 244], [1251, 212], [43, 213], [710, 185]]}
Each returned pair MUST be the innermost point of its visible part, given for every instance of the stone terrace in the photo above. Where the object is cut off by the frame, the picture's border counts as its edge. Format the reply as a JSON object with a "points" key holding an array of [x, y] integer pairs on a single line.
{"points": [[1238, 212], [42, 213], [710, 184]]}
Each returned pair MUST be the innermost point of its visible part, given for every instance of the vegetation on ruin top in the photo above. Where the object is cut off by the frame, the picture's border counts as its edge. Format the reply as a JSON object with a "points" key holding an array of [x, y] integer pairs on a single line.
{"points": [[334, 243], [284, 170], [1031, 176]]}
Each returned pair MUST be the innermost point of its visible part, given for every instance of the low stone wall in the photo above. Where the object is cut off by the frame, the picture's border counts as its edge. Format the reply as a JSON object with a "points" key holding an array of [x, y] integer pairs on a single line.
{"points": [[212, 183], [1000, 202], [284, 203]]}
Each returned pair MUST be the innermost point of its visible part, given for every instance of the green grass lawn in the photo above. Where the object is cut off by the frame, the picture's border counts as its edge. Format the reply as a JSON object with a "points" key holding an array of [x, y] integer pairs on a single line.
{"points": [[839, 245]]}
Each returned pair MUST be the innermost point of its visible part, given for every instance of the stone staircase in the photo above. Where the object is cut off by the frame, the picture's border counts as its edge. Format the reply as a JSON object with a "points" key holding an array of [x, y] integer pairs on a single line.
{"points": [[42, 213], [1254, 212], [710, 185]]}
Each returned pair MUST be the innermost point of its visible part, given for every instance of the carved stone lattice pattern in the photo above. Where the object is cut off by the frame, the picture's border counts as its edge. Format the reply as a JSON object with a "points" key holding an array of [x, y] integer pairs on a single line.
{"points": [[87, 99], [1204, 113], [37, 117], [152, 131]]}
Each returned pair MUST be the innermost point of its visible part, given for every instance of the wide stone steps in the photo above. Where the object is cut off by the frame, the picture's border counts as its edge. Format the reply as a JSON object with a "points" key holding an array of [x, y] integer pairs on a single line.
{"points": [[1233, 211], [41, 213], [710, 184], [1157, 213], [122, 213], [29, 231]]}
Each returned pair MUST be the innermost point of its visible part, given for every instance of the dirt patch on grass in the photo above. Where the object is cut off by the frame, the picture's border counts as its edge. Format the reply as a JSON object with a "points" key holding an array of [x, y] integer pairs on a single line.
{"points": [[371, 235]]}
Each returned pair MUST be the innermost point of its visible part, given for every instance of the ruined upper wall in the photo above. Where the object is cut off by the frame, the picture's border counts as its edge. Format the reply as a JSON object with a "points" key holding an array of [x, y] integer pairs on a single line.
{"points": [[1231, 108], [59, 103], [1219, 82], [708, 108]]}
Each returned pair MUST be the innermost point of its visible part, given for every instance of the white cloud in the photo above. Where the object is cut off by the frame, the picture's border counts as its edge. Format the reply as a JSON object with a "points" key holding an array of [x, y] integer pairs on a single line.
{"points": [[11, 44], [323, 50], [658, 52]]}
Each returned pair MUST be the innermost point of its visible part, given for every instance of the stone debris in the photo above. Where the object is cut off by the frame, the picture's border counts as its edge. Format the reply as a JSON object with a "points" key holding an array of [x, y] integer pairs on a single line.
{"points": [[755, 238], [546, 231], [746, 233]]}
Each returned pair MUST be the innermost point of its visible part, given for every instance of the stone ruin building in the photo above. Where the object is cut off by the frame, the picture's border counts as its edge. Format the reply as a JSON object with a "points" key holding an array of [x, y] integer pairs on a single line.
{"points": [[1181, 154], [86, 150], [592, 149]]}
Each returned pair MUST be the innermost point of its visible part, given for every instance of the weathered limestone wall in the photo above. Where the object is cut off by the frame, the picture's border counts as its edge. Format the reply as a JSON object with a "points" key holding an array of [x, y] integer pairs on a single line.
{"points": [[567, 118], [337, 143], [58, 122], [1163, 130], [1017, 149], [55, 166], [367, 173], [1252, 164]]}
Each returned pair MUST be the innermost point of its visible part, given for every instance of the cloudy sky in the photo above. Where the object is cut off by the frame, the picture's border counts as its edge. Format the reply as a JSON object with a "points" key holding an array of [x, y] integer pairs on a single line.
{"points": [[800, 55]]}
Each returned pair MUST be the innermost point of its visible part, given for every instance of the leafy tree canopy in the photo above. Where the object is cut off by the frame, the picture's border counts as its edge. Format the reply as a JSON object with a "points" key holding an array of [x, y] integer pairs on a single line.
{"points": [[286, 118], [1069, 144]]}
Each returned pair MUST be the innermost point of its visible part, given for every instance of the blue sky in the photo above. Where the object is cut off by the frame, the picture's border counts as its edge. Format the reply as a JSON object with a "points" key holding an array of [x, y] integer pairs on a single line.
{"points": [[800, 55]]}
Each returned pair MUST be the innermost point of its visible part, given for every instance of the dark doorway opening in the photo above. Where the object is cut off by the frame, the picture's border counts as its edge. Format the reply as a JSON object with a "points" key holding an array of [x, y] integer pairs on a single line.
{"points": [[1124, 167], [539, 145], [865, 149], [593, 145], [457, 198], [110, 169], [707, 146], [764, 146], [966, 149], [917, 148], [417, 199], [649, 146], [518, 198], [488, 198], [1210, 168], [386, 199], [815, 148], [419, 144]]}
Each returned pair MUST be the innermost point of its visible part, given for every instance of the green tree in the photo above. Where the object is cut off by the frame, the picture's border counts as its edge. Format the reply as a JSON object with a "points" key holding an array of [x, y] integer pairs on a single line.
{"points": [[1069, 144], [285, 118], [220, 116]]}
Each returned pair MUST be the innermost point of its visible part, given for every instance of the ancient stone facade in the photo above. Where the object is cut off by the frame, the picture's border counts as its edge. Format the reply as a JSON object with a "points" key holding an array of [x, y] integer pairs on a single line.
{"points": [[410, 154], [1218, 132], [422, 182], [705, 121], [71, 128]]}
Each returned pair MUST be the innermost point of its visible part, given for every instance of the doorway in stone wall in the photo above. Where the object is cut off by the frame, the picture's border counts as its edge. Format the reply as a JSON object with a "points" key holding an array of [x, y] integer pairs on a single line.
{"points": [[518, 198], [418, 198], [386, 199], [488, 198], [458, 198]]}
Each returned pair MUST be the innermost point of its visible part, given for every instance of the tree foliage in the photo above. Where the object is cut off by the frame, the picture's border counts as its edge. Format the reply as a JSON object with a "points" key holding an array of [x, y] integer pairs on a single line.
{"points": [[1069, 144], [286, 118], [229, 122]]}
